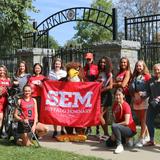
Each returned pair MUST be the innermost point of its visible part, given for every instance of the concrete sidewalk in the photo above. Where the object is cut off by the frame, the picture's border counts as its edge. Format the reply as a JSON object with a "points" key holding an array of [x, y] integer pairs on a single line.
{"points": [[93, 147]]}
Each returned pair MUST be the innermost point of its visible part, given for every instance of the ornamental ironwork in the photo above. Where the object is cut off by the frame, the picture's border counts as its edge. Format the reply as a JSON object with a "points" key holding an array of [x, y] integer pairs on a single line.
{"points": [[77, 14]]}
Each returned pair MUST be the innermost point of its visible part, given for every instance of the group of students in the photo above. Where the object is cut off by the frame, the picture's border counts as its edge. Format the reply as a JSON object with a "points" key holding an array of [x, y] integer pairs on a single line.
{"points": [[138, 91]]}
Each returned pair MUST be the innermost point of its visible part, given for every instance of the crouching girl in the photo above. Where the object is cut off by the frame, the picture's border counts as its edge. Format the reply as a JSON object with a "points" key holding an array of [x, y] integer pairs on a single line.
{"points": [[123, 126], [27, 117]]}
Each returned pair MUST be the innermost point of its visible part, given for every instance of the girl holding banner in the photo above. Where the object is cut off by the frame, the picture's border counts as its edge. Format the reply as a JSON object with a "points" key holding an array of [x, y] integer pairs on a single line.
{"points": [[56, 74], [105, 76], [35, 81]]}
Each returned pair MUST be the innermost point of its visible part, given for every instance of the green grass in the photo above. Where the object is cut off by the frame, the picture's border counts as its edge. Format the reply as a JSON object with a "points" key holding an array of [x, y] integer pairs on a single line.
{"points": [[8, 151], [157, 133]]}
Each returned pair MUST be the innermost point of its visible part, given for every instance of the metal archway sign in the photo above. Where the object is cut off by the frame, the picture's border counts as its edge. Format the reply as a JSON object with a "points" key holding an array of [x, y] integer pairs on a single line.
{"points": [[77, 14]]}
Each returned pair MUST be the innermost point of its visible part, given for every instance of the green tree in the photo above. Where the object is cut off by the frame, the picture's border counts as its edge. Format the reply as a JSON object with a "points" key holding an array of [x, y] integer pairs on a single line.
{"points": [[88, 33], [53, 43], [72, 42], [132, 8], [13, 22]]}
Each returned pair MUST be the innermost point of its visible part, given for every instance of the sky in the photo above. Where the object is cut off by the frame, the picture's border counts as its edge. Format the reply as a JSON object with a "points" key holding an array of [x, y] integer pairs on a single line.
{"points": [[46, 8]]}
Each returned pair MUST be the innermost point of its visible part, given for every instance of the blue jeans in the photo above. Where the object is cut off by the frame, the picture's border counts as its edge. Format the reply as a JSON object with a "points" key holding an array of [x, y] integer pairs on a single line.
{"points": [[151, 115], [120, 132]]}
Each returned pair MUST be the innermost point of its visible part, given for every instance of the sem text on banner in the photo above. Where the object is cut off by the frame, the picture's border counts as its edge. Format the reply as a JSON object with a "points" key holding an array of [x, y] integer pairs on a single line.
{"points": [[75, 104]]}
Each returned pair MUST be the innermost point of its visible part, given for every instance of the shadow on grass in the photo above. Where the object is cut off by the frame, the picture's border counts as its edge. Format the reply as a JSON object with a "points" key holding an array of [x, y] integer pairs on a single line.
{"points": [[6, 142]]}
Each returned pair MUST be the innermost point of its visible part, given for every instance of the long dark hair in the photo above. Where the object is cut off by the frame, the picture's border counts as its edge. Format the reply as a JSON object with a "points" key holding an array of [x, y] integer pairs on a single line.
{"points": [[108, 67], [37, 64]]}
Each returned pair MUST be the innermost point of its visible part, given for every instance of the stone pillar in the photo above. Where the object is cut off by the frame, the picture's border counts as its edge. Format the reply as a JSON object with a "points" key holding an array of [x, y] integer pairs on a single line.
{"points": [[117, 49], [36, 55]]}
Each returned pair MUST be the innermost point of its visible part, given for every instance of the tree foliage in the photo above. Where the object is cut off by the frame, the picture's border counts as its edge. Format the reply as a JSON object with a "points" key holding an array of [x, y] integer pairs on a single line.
{"points": [[132, 8], [13, 22], [52, 43], [72, 42], [88, 33]]}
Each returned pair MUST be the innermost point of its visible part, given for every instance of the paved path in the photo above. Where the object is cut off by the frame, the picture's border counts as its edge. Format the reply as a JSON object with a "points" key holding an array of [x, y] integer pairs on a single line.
{"points": [[94, 148]]}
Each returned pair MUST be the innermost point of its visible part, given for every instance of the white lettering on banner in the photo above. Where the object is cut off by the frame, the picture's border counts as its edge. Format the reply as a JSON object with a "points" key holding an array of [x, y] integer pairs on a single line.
{"points": [[52, 98], [87, 98], [62, 110], [62, 99]]}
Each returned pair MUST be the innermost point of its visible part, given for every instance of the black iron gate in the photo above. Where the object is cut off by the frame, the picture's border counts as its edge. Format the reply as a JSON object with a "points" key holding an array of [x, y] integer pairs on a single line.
{"points": [[72, 53], [145, 29]]}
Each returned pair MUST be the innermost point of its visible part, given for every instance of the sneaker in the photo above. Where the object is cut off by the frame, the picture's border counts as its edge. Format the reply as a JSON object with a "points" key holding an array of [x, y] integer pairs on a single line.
{"points": [[55, 133], [149, 143], [119, 149], [103, 138], [139, 144], [147, 138]]}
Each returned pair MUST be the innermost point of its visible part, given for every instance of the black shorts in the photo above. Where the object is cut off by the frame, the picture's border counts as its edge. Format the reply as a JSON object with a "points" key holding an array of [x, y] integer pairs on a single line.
{"points": [[24, 127], [106, 99]]}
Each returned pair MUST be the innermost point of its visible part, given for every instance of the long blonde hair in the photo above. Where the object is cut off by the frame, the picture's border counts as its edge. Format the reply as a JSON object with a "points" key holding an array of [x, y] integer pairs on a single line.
{"points": [[145, 68], [6, 70]]}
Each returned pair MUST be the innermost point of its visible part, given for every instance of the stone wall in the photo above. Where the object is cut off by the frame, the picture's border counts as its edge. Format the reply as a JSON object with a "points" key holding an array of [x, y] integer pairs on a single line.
{"points": [[113, 49], [117, 49]]}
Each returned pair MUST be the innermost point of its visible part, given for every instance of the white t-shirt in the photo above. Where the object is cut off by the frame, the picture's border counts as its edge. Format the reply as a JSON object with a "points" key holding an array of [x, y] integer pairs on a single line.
{"points": [[57, 75]]}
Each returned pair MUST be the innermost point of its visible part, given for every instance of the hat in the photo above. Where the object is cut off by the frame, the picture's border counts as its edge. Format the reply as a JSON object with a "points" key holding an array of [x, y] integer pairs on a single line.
{"points": [[89, 56], [72, 73]]}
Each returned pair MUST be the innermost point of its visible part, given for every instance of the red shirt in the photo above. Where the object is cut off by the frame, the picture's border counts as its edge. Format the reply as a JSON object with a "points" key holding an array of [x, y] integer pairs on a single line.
{"points": [[4, 83], [119, 78], [120, 112], [34, 82], [147, 77], [91, 72], [28, 110]]}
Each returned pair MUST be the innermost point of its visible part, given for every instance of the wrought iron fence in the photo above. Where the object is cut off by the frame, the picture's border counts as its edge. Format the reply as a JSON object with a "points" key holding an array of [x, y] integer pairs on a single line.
{"points": [[70, 53], [145, 29], [10, 61]]}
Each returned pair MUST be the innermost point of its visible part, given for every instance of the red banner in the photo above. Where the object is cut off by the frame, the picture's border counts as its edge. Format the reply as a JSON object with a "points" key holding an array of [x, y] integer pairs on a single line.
{"points": [[74, 104]]}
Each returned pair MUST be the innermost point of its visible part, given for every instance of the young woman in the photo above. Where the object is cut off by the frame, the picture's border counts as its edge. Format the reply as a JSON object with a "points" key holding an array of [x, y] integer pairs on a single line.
{"points": [[26, 114], [35, 82], [91, 74], [105, 76], [138, 88], [4, 83], [90, 69], [123, 77], [154, 102], [57, 73], [124, 126], [21, 76]]}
